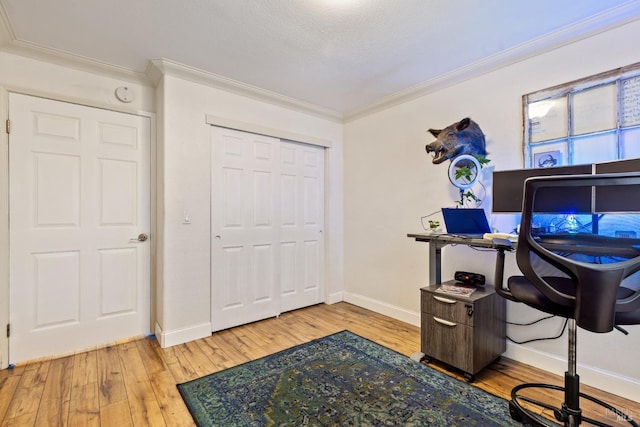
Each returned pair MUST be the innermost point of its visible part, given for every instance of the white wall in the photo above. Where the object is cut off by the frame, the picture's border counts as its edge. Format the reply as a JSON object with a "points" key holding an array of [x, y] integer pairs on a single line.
{"points": [[390, 183], [184, 137]]}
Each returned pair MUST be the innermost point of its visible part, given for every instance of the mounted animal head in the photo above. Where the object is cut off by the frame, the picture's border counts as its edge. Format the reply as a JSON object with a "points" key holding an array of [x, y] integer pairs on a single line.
{"points": [[463, 137]]}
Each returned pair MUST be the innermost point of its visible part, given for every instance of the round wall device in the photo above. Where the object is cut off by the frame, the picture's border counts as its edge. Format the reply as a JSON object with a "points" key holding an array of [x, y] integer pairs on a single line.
{"points": [[124, 94], [473, 168]]}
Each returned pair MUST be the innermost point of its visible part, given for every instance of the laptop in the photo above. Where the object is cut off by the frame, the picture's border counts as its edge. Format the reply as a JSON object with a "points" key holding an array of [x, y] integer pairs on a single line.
{"points": [[466, 222]]}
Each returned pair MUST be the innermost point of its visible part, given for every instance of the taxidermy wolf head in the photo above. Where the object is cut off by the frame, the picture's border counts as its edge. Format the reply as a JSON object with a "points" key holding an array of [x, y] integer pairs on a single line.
{"points": [[463, 137]]}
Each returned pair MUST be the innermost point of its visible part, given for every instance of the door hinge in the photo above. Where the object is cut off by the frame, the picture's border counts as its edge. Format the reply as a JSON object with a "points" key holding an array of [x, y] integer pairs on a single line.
{"points": [[8, 330], [8, 126]]}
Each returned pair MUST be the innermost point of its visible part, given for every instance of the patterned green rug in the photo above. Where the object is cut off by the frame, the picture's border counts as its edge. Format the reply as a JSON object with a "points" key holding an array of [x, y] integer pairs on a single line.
{"points": [[339, 380]]}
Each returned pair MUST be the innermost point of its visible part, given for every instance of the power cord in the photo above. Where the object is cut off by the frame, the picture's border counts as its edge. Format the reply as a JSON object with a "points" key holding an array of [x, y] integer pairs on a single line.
{"points": [[531, 323], [564, 327], [422, 218]]}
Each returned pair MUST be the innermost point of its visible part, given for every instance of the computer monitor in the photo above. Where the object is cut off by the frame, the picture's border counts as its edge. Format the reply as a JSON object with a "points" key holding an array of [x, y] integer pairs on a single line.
{"points": [[508, 188], [618, 199], [618, 166]]}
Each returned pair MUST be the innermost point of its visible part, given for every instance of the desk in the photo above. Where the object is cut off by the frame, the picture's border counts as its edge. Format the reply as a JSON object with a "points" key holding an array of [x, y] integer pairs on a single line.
{"points": [[439, 241], [580, 243]]}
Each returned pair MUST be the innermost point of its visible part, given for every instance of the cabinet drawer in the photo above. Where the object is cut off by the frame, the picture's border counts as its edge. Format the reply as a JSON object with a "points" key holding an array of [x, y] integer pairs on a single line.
{"points": [[448, 308], [449, 342]]}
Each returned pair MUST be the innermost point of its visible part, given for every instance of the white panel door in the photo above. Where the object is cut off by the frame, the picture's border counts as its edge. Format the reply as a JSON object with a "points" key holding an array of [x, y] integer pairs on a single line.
{"points": [[79, 198], [302, 220], [245, 228], [267, 210]]}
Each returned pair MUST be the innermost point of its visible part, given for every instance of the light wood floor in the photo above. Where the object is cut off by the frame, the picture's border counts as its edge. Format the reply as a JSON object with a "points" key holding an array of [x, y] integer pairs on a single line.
{"points": [[134, 383]]}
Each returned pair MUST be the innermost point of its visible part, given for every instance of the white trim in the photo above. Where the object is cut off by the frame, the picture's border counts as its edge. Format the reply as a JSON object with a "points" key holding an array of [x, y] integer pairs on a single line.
{"points": [[156, 68], [613, 383], [399, 313], [4, 230], [224, 122], [334, 298], [75, 62], [85, 102], [181, 336]]}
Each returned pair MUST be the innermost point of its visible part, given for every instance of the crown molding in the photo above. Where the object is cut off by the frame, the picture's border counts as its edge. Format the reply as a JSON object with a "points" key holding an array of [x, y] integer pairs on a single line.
{"points": [[157, 68], [77, 62], [616, 17]]}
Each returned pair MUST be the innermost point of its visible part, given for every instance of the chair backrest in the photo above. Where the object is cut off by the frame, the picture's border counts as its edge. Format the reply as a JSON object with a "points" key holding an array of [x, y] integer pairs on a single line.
{"points": [[588, 228]]}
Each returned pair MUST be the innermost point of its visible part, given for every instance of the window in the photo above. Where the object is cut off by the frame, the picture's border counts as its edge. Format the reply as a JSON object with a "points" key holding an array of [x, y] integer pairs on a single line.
{"points": [[591, 120]]}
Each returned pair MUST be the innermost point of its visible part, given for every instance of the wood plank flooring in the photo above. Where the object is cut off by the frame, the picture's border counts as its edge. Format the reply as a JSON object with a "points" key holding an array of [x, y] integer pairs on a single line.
{"points": [[134, 383]]}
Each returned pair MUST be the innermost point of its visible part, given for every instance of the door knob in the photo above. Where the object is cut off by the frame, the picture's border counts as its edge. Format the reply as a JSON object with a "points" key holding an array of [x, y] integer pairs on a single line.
{"points": [[141, 238]]}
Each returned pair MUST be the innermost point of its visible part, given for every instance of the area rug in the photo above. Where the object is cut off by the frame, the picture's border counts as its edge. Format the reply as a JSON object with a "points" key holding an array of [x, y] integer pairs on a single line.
{"points": [[339, 380]]}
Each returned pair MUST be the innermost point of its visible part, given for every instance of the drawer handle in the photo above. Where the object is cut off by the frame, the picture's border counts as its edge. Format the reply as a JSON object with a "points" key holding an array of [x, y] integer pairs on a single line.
{"points": [[444, 300], [444, 322]]}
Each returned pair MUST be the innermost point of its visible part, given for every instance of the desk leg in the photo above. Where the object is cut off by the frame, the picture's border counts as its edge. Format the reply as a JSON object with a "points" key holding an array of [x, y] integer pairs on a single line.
{"points": [[435, 263]]}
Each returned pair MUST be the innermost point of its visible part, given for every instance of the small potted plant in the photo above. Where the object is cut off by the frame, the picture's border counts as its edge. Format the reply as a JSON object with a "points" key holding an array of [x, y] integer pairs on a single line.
{"points": [[434, 226]]}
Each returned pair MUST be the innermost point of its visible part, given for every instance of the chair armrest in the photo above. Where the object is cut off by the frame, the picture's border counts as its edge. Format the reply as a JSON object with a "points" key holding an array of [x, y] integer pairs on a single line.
{"points": [[502, 244]]}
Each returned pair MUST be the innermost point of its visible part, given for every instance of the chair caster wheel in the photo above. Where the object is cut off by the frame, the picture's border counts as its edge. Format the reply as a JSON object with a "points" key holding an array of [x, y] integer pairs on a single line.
{"points": [[560, 416]]}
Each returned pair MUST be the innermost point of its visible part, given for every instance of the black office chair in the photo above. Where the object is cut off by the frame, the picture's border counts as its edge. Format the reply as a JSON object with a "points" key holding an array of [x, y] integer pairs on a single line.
{"points": [[588, 288]]}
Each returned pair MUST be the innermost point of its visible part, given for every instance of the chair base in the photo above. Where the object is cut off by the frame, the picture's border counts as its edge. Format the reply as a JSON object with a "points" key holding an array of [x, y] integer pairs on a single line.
{"points": [[568, 417]]}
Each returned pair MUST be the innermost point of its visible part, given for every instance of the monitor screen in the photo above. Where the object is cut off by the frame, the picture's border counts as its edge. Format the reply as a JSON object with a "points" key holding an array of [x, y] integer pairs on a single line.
{"points": [[508, 187]]}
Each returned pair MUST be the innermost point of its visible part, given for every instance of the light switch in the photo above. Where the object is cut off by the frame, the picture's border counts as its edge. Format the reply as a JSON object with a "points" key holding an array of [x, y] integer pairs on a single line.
{"points": [[186, 217]]}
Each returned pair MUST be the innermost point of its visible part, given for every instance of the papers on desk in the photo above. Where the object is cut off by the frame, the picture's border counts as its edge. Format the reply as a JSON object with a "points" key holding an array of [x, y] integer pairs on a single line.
{"points": [[506, 236], [458, 289]]}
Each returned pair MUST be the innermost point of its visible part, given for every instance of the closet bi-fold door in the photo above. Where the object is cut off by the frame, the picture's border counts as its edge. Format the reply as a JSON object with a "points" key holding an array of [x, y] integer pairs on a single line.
{"points": [[301, 225], [267, 212], [245, 228]]}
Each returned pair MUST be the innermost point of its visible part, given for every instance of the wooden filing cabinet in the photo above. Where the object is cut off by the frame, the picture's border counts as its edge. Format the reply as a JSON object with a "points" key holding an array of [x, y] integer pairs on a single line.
{"points": [[467, 333]]}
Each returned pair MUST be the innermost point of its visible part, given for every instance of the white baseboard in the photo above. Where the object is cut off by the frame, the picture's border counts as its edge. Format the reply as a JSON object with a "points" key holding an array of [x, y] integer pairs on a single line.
{"points": [[334, 298], [610, 382], [410, 317], [180, 336]]}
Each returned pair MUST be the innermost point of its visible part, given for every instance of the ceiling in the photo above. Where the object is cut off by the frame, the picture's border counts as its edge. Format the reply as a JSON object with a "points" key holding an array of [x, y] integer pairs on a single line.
{"points": [[341, 56]]}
